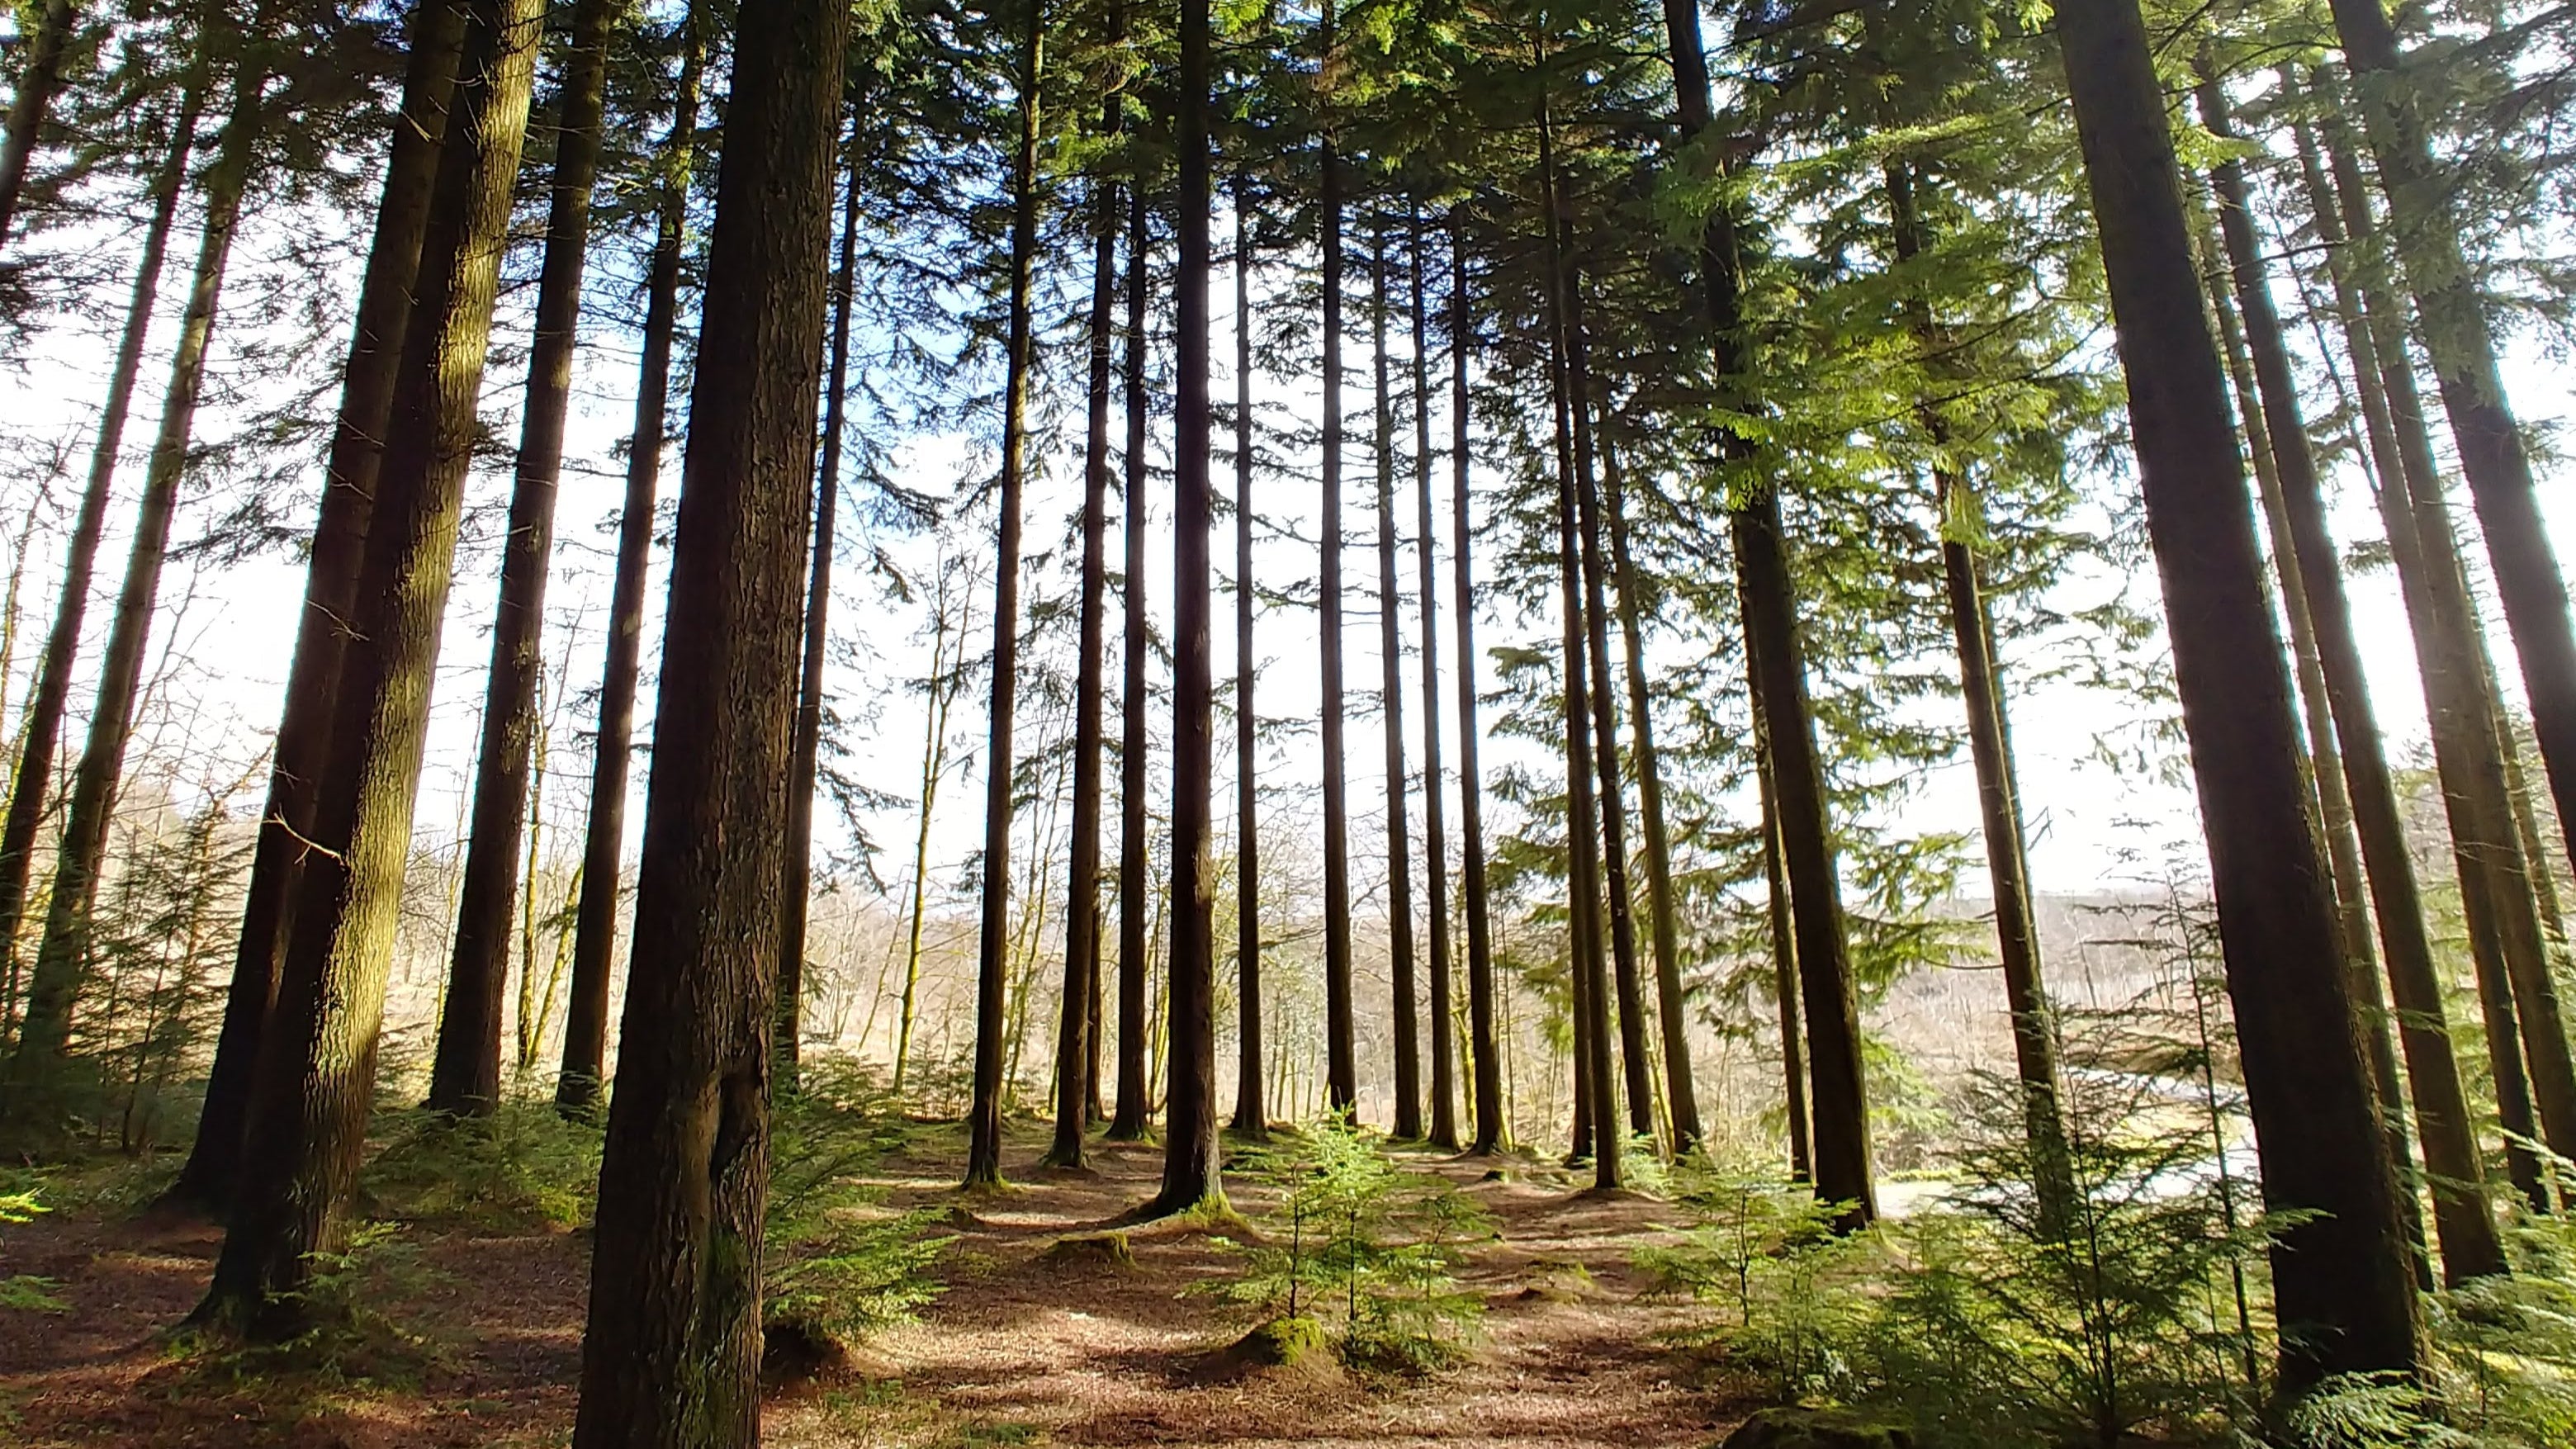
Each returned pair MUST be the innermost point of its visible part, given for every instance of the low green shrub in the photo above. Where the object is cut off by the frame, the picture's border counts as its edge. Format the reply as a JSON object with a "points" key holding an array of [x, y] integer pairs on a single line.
{"points": [[835, 1261], [524, 1166]]}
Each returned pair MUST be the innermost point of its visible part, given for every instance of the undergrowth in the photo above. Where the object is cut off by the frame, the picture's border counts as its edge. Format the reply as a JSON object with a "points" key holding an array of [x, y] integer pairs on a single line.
{"points": [[523, 1166], [835, 1261]]}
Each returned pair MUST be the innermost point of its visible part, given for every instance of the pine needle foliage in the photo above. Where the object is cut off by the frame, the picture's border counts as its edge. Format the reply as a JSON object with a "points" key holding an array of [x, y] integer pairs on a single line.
{"points": [[835, 1261], [1364, 1245]]}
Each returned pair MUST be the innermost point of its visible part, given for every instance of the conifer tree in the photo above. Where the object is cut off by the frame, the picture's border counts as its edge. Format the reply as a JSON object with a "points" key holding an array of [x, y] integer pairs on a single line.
{"points": [[37, 81], [1390, 612], [1485, 1063], [1135, 970], [1251, 1100], [1341, 1054], [1435, 827]]}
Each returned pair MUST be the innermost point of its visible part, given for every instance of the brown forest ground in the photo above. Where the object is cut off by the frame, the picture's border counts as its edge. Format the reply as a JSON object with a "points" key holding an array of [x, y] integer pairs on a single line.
{"points": [[1016, 1351]]}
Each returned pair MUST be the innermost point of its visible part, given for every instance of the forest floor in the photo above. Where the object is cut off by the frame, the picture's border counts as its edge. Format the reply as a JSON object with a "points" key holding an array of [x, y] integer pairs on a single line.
{"points": [[479, 1335]]}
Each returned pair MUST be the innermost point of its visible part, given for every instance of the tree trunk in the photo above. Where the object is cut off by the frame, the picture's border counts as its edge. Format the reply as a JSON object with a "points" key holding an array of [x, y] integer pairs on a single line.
{"points": [[604, 836], [298, 754], [1251, 1104], [671, 1356], [984, 1112], [1680, 1090], [317, 1074], [2344, 1293], [1444, 1091], [1189, 1100], [1082, 897], [1629, 982], [794, 895], [1784, 969], [2462, 1216], [465, 1072], [1135, 963], [1492, 1133], [2460, 341], [1341, 1054], [37, 81], [1390, 615], [63, 954], [934, 767], [40, 729]]}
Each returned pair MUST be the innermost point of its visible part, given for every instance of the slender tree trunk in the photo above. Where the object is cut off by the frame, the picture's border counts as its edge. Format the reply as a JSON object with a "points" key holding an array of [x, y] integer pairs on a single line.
{"points": [[1682, 1093], [1341, 1053], [299, 753], [1444, 1089], [2344, 1292], [1628, 980], [984, 1112], [63, 954], [317, 1072], [1251, 1104], [1483, 1042], [1390, 615], [1189, 1100], [795, 895], [1135, 962], [40, 730], [934, 767], [2459, 339], [1784, 970], [671, 1356], [1082, 900], [604, 836], [2462, 1216], [37, 81], [465, 1072]]}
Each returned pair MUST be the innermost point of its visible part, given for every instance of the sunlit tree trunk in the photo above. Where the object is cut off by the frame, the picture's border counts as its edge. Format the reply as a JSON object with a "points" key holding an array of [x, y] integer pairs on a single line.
{"points": [[594, 945], [41, 725], [317, 1073], [1435, 824], [63, 953], [2341, 1280], [1390, 616], [984, 1110], [298, 753], [465, 1071], [671, 1353]]}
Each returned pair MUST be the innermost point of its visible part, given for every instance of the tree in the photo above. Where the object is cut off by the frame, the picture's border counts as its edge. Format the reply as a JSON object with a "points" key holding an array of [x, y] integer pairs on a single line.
{"points": [[465, 1072], [604, 832], [2342, 1287], [1435, 829], [316, 1071], [1341, 1053], [62, 954], [300, 751], [984, 1113], [1492, 1132], [1190, 1171], [1251, 1103], [1135, 969], [1390, 614], [793, 898], [27, 108], [671, 1354]]}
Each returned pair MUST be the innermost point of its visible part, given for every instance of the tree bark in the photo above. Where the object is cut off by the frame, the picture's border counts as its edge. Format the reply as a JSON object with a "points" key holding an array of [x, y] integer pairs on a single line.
{"points": [[671, 1355], [2459, 339], [41, 725], [37, 83], [63, 954], [1135, 963], [984, 1111], [299, 752], [594, 945], [2344, 1293], [465, 1072], [1251, 1103], [2462, 1216], [1189, 1098], [805, 768], [317, 1071], [1341, 1055], [1784, 970], [1492, 1132], [1444, 1090], [1390, 614]]}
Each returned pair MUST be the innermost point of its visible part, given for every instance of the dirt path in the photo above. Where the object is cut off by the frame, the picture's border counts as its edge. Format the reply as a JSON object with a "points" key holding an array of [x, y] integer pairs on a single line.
{"points": [[1016, 1351]]}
